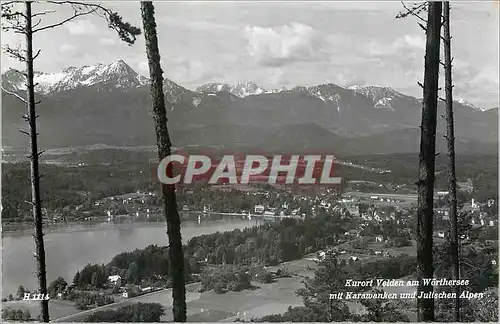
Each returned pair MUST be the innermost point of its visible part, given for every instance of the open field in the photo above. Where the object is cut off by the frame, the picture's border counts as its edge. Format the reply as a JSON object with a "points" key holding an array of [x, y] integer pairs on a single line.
{"points": [[57, 308], [302, 268], [163, 297], [266, 299], [207, 306]]}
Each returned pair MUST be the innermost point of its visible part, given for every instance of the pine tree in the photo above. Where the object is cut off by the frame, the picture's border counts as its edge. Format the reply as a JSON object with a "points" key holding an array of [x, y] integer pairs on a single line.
{"points": [[14, 19], [426, 177], [450, 139], [164, 149]]}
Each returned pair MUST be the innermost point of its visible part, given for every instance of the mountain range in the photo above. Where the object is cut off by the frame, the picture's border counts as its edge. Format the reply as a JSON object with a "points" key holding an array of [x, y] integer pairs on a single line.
{"points": [[110, 104]]}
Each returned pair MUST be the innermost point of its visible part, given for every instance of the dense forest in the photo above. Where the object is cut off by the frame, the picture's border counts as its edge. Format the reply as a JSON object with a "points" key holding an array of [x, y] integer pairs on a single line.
{"points": [[268, 244], [67, 186]]}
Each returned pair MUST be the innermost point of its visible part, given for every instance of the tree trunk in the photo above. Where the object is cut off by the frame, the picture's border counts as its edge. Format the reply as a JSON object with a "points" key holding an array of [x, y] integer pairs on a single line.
{"points": [[35, 175], [450, 137], [425, 213], [164, 145]]}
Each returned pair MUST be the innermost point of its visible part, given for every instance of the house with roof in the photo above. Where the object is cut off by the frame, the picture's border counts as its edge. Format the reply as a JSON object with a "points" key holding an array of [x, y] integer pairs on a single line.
{"points": [[115, 280]]}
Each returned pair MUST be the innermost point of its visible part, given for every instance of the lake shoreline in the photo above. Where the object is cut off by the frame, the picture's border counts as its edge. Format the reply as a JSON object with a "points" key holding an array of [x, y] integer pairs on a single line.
{"points": [[69, 250], [26, 228], [82, 226]]}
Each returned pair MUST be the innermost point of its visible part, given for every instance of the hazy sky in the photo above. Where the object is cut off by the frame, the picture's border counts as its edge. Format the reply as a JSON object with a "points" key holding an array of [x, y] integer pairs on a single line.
{"points": [[280, 44]]}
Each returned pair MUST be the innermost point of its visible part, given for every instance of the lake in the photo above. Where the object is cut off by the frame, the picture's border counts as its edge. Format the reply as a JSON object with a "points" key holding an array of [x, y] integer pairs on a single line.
{"points": [[70, 250]]}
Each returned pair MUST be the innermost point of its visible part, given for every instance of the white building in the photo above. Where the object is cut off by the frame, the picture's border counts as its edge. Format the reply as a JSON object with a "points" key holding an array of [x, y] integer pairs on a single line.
{"points": [[259, 209], [115, 280]]}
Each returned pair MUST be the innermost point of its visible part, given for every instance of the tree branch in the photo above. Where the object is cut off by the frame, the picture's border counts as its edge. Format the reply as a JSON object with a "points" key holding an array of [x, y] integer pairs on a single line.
{"points": [[17, 71], [37, 53], [14, 94], [43, 13], [75, 15], [9, 3], [9, 16], [126, 31], [423, 27], [12, 18], [417, 8], [37, 23], [15, 27], [14, 53]]}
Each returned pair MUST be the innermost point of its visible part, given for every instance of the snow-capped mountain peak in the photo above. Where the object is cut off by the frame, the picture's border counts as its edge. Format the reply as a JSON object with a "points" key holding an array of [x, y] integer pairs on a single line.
{"points": [[244, 89], [381, 97], [241, 89], [326, 92], [375, 92], [277, 90], [468, 104], [117, 74], [213, 87]]}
